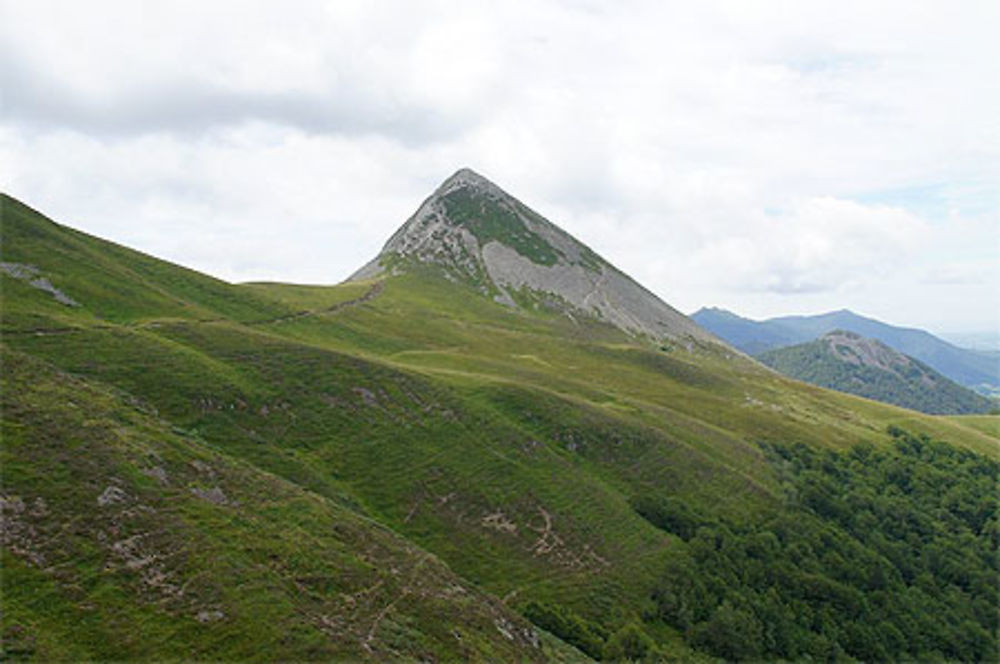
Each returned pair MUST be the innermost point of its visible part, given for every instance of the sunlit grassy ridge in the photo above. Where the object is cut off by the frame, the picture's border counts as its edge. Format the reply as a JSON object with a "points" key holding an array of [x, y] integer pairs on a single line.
{"points": [[510, 443], [112, 283]]}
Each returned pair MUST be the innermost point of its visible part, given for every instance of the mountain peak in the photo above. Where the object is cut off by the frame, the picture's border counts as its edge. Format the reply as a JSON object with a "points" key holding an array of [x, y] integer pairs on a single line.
{"points": [[466, 177], [475, 232], [847, 361], [718, 312], [855, 349]]}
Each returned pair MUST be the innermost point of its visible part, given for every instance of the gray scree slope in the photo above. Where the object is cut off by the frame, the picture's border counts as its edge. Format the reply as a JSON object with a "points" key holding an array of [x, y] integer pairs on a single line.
{"points": [[476, 231]]}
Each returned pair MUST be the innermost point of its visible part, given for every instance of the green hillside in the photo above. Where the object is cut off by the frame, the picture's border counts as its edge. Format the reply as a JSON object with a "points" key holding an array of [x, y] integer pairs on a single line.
{"points": [[128, 538], [398, 467], [850, 363], [102, 281]]}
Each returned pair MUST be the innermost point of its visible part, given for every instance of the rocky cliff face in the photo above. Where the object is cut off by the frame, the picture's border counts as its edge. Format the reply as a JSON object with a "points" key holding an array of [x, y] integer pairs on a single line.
{"points": [[474, 231]]}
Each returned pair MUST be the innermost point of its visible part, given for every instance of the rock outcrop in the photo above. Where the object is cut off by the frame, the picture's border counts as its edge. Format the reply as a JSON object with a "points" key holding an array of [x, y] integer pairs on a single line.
{"points": [[849, 362], [476, 232]]}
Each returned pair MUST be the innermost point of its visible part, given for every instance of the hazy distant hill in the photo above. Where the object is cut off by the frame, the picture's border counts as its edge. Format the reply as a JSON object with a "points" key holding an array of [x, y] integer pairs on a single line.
{"points": [[975, 369], [851, 363], [750, 336]]}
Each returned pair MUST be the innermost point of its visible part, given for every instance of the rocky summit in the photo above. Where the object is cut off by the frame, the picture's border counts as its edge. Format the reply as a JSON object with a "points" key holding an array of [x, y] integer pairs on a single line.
{"points": [[849, 362], [477, 232], [860, 351]]}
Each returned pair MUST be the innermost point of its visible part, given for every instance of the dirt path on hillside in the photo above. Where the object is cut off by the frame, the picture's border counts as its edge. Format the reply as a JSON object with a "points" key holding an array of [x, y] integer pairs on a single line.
{"points": [[368, 296]]}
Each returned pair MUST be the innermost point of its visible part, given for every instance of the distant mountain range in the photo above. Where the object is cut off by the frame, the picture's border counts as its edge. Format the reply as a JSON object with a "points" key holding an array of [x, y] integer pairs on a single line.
{"points": [[851, 363], [979, 370]]}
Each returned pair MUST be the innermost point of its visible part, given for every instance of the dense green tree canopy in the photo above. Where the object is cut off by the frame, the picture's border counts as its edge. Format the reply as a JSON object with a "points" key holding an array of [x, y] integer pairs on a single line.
{"points": [[879, 554]]}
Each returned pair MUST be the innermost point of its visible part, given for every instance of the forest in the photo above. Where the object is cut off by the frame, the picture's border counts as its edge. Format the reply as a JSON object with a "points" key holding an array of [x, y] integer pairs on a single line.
{"points": [[878, 554]]}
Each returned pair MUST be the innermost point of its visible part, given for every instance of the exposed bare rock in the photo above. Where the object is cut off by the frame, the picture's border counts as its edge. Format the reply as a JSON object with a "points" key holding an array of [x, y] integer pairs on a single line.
{"points": [[367, 396], [209, 616], [157, 473], [214, 495], [498, 521], [478, 233], [111, 495], [32, 276], [863, 352], [17, 532], [203, 468]]}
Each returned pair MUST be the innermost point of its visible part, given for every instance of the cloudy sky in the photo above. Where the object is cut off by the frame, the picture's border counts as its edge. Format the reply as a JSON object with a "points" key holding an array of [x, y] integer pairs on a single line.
{"points": [[766, 157]]}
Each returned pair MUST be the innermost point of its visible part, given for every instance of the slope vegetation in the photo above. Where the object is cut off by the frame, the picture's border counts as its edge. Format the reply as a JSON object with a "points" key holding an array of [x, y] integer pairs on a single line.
{"points": [[850, 363], [128, 538], [506, 459], [55, 277]]}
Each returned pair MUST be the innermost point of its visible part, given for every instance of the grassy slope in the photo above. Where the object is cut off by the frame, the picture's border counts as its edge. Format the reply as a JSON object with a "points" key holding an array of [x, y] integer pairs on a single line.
{"points": [[987, 424], [127, 539], [905, 385], [507, 443], [430, 326], [112, 283]]}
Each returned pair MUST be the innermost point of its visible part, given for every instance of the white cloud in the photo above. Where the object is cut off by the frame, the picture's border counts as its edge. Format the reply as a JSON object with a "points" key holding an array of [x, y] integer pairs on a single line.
{"points": [[722, 152], [817, 245]]}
